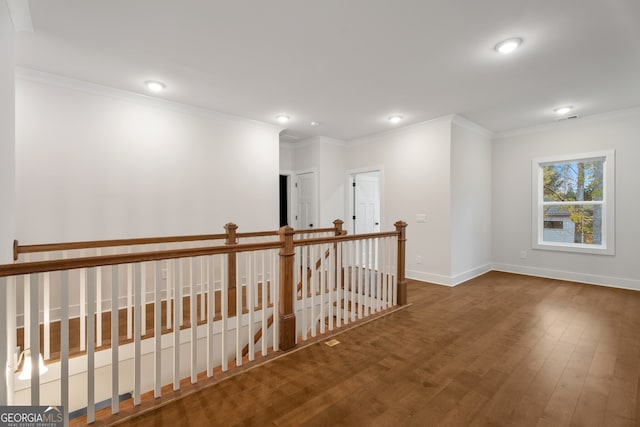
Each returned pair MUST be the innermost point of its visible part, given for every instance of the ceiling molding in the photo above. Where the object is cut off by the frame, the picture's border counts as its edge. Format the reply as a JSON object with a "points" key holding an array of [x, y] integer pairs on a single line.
{"points": [[96, 89], [565, 123], [20, 15], [474, 127], [374, 137]]}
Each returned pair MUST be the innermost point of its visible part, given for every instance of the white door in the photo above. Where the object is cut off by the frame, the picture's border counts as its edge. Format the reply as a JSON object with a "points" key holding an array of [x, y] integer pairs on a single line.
{"points": [[305, 188], [366, 197]]}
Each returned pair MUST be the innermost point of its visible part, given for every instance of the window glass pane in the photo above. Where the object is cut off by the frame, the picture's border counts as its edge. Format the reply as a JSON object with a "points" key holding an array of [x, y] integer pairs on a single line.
{"points": [[573, 224], [573, 181]]}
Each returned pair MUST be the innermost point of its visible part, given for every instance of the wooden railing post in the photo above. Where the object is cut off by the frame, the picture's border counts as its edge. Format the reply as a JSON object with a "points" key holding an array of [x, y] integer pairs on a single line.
{"points": [[232, 239], [286, 312], [337, 224], [401, 228]]}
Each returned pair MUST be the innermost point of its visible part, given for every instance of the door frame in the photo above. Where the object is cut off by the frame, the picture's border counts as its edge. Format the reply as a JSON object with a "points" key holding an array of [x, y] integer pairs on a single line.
{"points": [[293, 212], [348, 208], [289, 174]]}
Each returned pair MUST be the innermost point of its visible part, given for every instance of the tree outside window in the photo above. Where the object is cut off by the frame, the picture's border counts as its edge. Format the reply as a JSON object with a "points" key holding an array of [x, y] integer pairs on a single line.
{"points": [[573, 204]]}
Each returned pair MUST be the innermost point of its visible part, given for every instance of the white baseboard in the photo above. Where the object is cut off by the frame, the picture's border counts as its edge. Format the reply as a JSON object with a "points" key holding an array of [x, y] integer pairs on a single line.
{"points": [[438, 279], [441, 279], [591, 279], [469, 274]]}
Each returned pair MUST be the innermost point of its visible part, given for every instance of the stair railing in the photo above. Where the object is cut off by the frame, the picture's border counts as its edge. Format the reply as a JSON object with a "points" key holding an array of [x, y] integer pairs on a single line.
{"points": [[210, 319]]}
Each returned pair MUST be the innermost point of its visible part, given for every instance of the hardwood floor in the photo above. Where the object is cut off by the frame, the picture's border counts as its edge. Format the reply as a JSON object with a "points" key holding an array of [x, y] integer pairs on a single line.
{"points": [[499, 350]]}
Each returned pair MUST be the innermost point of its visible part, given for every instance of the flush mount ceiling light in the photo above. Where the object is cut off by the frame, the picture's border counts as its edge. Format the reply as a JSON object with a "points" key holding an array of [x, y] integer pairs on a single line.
{"points": [[395, 119], [282, 118], [509, 45], [563, 110], [314, 123], [155, 86]]}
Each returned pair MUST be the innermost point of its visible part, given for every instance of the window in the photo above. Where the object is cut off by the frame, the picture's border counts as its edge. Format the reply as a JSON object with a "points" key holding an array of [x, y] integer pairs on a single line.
{"points": [[573, 208]]}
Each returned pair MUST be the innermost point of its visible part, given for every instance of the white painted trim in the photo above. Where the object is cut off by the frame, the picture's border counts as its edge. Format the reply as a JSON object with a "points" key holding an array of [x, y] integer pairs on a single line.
{"points": [[537, 216], [438, 279], [348, 196], [590, 279], [42, 77], [290, 206], [374, 137], [566, 123], [469, 125], [469, 274], [294, 196], [441, 279]]}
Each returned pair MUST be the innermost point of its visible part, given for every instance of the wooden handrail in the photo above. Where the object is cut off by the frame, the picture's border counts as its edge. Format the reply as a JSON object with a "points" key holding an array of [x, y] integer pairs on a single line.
{"points": [[315, 230], [50, 247], [343, 238], [93, 244], [257, 234], [99, 261]]}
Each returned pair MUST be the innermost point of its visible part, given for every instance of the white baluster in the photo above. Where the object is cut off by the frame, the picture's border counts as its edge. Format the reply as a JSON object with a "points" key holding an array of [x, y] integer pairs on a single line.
{"points": [[64, 345], [210, 312], [193, 320], [250, 304], [264, 305], [137, 335], [238, 313], [157, 330], [115, 340], [6, 358], [224, 308], [275, 295], [91, 401], [177, 309]]}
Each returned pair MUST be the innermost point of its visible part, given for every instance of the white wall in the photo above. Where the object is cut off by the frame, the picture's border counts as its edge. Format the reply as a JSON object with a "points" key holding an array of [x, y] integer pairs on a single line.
{"points": [[470, 200], [287, 152], [96, 163], [332, 181], [7, 139], [512, 155], [415, 180]]}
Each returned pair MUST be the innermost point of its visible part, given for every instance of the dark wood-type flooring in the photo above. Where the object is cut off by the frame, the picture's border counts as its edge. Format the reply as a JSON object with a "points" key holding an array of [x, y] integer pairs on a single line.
{"points": [[499, 350]]}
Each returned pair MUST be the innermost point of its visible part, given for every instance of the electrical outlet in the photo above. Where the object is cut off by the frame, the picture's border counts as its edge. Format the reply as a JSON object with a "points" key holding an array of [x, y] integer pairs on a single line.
{"points": [[418, 259], [523, 254]]}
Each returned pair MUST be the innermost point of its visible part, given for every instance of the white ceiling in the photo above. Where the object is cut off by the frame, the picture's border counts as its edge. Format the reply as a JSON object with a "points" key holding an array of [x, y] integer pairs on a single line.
{"points": [[350, 64]]}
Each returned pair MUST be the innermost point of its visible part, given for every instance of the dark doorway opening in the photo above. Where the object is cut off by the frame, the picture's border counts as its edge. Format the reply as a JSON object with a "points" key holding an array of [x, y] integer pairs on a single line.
{"points": [[284, 197]]}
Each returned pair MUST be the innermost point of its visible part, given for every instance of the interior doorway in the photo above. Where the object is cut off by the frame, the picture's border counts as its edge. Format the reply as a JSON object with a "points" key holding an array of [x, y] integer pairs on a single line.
{"points": [[365, 200], [284, 200], [306, 200]]}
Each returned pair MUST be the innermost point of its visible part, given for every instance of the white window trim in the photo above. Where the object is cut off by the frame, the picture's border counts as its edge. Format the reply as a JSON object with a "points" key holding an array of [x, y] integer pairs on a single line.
{"points": [[608, 213]]}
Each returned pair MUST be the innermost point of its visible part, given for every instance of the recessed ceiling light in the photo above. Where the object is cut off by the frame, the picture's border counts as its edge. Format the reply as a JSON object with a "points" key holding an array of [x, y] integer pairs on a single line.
{"points": [[315, 123], [563, 110], [155, 86], [509, 45], [282, 118], [395, 119]]}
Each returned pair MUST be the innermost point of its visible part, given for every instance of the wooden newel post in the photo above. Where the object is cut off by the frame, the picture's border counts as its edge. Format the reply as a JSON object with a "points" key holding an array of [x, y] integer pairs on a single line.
{"points": [[286, 314], [337, 224], [232, 239], [401, 228]]}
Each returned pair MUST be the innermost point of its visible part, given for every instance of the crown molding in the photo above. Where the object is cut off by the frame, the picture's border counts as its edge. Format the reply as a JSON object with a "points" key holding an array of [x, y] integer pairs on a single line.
{"points": [[397, 131], [568, 123], [42, 77], [472, 126]]}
